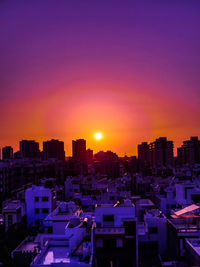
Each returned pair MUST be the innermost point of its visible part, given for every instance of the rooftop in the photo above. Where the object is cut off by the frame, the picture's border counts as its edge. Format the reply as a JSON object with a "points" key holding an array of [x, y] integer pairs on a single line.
{"points": [[55, 255], [27, 245], [12, 205], [195, 244], [68, 248], [186, 210], [64, 211], [154, 213]]}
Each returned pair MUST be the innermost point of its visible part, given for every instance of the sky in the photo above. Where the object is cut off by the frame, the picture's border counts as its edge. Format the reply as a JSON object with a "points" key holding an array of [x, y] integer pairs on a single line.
{"points": [[128, 69]]}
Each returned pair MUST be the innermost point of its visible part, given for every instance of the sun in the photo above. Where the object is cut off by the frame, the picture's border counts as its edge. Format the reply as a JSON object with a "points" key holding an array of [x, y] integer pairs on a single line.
{"points": [[98, 136]]}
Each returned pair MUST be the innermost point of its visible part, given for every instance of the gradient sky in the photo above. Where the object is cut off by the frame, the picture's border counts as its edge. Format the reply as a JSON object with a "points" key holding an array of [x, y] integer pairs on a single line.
{"points": [[69, 68]]}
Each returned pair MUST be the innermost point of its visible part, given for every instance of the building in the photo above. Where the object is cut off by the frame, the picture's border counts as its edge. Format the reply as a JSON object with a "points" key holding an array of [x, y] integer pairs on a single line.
{"points": [[192, 251], [71, 249], [65, 241], [40, 202], [13, 213], [152, 235], [184, 223], [24, 254], [89, 155], [79, 150], [161, 153], [189, 152], [53, 149], [29, 149], [115, 235], [7, 152], [66, 213], [143, 152], [5, 181]]}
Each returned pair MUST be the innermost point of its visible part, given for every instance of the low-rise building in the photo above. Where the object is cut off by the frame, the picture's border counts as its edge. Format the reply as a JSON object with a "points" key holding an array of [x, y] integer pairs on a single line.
{"points": [[40, 202], [13, 213], [115, 235], [192, 251]]}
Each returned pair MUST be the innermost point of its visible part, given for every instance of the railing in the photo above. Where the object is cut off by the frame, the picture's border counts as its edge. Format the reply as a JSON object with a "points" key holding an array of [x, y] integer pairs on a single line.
{"points": [[112, 230]]}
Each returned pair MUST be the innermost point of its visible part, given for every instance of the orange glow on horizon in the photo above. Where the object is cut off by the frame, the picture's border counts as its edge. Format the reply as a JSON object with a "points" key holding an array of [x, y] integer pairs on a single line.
{"points": [[124, 120]]}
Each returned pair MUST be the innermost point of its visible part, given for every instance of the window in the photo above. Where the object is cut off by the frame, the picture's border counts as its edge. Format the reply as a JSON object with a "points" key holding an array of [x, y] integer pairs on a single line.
{"points": [[98, 225], [130, 227], [10, 220], [153, 230], [129, 243], [109, 243], [45, 210], [108, 218], [37, 222], [119, 243], [50, 230], [36, 199], [99, 243], [45, 199], [37, 210]]}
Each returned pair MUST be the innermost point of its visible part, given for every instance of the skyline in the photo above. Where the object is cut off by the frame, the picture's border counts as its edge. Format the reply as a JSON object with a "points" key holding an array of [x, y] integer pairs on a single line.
{"points": [[130, 71], [96, 136]]}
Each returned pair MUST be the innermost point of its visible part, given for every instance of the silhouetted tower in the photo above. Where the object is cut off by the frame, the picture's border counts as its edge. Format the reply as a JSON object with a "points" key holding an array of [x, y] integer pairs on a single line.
{"points": [[189, 152], [161, 153], [7, 152], [79, 149], [53, 149], [89, 155], [29, 149], [143, 152]]}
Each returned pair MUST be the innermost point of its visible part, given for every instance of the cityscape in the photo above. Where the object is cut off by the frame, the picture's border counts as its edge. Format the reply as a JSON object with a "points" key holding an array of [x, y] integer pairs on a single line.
{"points": [[100, 209], [99, 133]]}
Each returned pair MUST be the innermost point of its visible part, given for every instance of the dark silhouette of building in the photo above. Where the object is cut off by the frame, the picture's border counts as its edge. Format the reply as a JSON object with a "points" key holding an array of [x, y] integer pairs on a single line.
{"points": [[189, 152], [89, 155], [161, 153], [54, 149], [106, 156], [29, 149], [7, 152], [17, 155], [143, 152], [79, 150], [107, 163]]}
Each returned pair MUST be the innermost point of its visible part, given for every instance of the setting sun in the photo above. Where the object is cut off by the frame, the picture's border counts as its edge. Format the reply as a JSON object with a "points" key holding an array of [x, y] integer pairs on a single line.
{"points": [[98, 136]]}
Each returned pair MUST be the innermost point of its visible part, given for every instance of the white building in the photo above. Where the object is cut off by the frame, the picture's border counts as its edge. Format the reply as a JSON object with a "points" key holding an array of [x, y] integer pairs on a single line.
{"points": [[40, 202], [67, 250], [63, 215], [156, 224], [115, 235]]}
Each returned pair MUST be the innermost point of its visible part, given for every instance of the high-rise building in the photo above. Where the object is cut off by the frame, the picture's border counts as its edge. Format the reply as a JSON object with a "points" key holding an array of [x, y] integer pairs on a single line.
{"points": [[189, 152], [7, 152], [79, 149], [161, 153], [143, 152], [89, 155], [29, 149], [54, 149]]}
